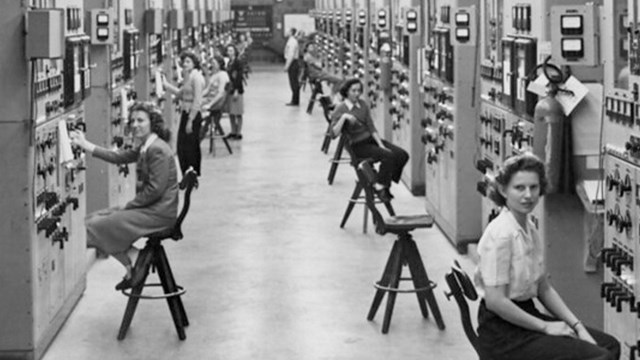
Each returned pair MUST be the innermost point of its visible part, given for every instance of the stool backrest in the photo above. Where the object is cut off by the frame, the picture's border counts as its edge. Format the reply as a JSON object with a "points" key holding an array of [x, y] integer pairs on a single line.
{"points": [[367, 177], [462, 289], [188, 183]]}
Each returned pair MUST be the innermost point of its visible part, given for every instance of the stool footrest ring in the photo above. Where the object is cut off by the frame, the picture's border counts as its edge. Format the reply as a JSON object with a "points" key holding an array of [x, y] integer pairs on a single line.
{"points": [[430, 287], [181, 291]]}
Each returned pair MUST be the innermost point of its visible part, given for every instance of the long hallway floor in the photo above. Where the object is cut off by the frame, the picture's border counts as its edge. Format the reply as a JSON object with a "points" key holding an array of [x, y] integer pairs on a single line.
{"points": [[269, 274]]}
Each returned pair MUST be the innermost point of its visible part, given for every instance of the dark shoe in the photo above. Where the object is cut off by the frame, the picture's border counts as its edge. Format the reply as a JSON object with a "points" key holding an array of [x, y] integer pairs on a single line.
{"points": [[124, 284], [230, 136], [292, 104], [383, 194], [238, 137]]}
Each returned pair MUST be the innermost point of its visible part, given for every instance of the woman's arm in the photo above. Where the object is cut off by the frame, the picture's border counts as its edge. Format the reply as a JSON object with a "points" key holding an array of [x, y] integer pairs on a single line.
{"points": [[339, 117], [550, 298], [170, 87], [497, 301], [371, 126], [220, 92], [111, 156], [155, 187]]}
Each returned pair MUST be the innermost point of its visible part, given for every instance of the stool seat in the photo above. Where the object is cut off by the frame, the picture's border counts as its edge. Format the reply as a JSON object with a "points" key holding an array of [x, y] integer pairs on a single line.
{"points": [[403, 223], [170, 233]]}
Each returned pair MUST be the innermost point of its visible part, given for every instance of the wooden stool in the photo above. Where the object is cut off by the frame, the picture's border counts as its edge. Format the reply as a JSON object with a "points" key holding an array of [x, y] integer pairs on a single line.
{"points": [[216, 132], [358, 198], [337, 159], [404, 252], [153, 257], [327, 107], [462, 289], [316, 88]]}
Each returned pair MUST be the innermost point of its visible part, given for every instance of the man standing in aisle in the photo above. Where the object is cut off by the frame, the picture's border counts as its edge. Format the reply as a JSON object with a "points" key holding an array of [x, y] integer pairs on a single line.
{"points": [[292, 67]]}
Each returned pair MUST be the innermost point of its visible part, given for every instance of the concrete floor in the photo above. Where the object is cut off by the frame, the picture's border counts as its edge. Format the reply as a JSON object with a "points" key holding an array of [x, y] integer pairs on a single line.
{"points": [[269, 273]]}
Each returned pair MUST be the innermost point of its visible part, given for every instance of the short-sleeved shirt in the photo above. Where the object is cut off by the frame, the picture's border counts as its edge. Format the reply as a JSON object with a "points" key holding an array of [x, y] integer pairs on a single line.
{"points": [[362, 128], [512, 256]]}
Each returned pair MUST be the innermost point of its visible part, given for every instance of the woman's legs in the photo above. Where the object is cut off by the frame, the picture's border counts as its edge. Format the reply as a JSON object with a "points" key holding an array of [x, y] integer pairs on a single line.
{"points": [[238, 126], [392, 160], [398, 160], [234, 126]]}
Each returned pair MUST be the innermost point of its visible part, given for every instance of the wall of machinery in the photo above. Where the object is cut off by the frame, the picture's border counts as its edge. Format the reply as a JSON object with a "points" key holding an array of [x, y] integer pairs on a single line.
{"points": [[541, 91], [478, 81], [449, 102], [621, 179], [79, 65]]}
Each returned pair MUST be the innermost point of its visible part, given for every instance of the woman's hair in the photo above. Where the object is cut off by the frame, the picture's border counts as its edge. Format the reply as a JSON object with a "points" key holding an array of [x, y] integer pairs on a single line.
{"points": [[306, 46], [514, 164], [344, 89], [220, 61], [226, 49], [191, 55], [155, 118]]}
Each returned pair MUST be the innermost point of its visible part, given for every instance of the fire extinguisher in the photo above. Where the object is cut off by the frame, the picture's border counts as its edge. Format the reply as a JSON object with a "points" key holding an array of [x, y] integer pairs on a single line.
{"points": [[552, 132]]}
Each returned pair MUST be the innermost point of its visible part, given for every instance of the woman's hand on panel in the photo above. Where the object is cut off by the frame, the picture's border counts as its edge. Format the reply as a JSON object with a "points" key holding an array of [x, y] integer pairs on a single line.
{"points": [[78, 139]]}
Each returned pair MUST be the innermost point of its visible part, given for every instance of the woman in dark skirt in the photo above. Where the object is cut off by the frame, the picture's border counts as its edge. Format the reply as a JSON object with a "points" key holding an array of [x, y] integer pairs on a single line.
{"points": [[511, 272], [190, 92]]}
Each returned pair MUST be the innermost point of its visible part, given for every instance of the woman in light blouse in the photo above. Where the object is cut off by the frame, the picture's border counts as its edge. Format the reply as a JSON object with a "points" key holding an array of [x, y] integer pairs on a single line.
{"points": [[215, 94], [511, 272], [190, 92]]}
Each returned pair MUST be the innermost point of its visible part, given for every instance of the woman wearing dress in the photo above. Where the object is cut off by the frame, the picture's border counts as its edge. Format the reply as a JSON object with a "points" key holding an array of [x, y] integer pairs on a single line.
{"points": [[154, 208], [511, 272], [215, 94], [236, 71]]}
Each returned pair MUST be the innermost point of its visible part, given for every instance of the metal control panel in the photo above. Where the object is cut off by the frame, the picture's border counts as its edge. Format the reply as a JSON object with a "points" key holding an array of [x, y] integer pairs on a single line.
{"points": [[449, 97], [47, 71], [516, 37]]}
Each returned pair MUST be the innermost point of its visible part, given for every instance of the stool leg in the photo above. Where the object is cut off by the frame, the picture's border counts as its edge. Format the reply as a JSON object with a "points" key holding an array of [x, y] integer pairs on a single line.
{"points": [[365, 219], [312, 100], [326, 142], [385, 280], [169, 273], [352, 202], [421, 279], [163, 265], [224, 139], [395, 281], [336, 161], [211, 134], [132, 303], [389, 207]]}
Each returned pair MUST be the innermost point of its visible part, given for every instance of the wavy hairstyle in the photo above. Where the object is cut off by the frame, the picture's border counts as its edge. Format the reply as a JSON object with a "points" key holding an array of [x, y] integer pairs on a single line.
{"points": [[197, 64], [347, 84], [522, 162], [155, 118]]}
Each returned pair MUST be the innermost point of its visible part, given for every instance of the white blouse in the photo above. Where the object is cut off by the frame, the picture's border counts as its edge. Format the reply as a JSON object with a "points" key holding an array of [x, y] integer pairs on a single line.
{"points": [[512, 256]]}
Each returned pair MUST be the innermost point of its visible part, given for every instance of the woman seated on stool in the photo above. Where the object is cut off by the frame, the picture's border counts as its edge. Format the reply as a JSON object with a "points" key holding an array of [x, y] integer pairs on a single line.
{"points": [[512, 274], [316, 71], [214, 96], [352, 118], [154, 208]]}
